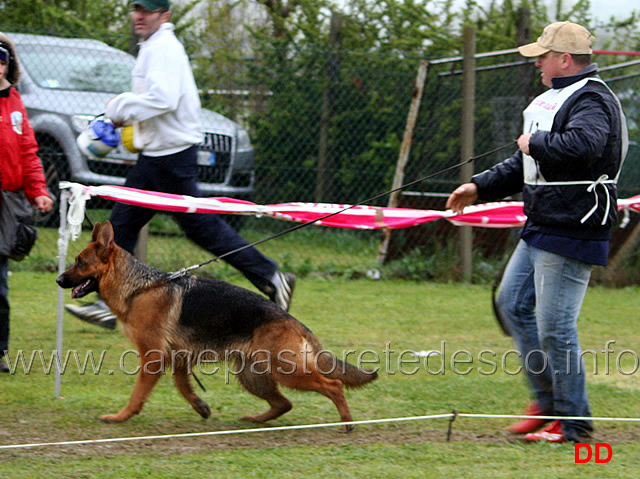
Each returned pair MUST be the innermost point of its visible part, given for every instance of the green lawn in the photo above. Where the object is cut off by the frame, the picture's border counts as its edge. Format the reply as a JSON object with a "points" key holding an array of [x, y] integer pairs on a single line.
{"points": [[380, 321]]}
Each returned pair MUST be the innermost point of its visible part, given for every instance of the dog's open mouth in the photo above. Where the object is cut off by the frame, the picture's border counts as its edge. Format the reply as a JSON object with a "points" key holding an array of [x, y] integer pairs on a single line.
{"points": [[88, 286]]}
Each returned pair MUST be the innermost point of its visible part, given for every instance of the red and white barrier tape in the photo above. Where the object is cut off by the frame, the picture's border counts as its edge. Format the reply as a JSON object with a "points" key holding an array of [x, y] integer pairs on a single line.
{"points": [[503, 214]]}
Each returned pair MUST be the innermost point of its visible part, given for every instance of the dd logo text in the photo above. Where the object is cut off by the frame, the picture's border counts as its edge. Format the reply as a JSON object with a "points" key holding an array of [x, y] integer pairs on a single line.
{"points": [[589, 454]]}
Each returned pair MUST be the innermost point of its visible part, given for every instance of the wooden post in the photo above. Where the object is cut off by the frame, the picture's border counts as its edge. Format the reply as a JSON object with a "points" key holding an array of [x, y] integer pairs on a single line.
{"points": [[523, 25], [405, 150], [466, 142], [622, 253], [133, 40], [324, 178]]}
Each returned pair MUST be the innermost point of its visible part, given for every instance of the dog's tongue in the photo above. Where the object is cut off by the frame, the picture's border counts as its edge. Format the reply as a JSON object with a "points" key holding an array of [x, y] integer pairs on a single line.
{"points": [[78, 291]]}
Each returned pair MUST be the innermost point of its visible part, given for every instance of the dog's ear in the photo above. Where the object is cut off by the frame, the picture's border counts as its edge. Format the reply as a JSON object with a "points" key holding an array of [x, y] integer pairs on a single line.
{"points": [[96, 229], [104, 235]]}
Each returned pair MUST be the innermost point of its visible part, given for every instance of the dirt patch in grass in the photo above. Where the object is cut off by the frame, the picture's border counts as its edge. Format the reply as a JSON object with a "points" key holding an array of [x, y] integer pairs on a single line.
{"points": [[398, 433]]}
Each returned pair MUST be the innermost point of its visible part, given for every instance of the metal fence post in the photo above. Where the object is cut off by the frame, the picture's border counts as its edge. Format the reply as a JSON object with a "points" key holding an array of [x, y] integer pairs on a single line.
{"points": [[142, 247], [466, 142]]}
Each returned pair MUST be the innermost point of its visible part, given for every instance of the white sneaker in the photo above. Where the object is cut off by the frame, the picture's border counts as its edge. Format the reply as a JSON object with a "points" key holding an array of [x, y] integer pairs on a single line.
{"points": [[284, 291], [97, 313], [4, 367]]}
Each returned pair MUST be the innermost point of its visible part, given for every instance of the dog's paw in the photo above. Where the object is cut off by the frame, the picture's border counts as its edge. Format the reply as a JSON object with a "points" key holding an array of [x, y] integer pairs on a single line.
{"points": [[112, 418], [251, 419], [348, 428], [202, 408]]}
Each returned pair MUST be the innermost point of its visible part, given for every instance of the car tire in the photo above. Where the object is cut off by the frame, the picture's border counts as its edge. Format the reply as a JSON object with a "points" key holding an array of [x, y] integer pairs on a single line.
{"points": [[54, 165]]}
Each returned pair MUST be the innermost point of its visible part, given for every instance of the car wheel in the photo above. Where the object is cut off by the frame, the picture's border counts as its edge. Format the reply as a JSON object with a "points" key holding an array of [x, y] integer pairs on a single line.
{"points": [[54, 164]]}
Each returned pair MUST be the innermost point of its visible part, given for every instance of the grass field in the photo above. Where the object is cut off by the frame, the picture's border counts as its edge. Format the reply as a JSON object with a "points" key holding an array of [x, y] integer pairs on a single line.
{"points": [[313, 251], [379, 320]]}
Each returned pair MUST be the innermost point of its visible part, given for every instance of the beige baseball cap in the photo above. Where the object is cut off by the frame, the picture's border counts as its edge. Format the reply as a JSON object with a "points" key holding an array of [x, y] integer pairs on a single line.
{"points": [[561, 37]]}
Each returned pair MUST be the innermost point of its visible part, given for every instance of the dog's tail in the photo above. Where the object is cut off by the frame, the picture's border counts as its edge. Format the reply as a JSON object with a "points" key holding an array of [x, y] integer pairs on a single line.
{"points": [[328, 364], [350, 375]]}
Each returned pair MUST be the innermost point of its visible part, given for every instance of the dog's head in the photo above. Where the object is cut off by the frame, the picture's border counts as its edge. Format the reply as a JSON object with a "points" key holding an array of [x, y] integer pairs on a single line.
{"points": [[84, 276]]}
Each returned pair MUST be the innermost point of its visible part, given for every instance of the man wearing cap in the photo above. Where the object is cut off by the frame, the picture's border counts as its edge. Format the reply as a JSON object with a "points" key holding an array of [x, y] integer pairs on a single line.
{"points": [[568, 160], [164, 108]]}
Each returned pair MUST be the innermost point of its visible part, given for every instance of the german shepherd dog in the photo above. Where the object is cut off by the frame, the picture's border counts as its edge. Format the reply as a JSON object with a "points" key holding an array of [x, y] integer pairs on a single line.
{"points": [[198, 316]]}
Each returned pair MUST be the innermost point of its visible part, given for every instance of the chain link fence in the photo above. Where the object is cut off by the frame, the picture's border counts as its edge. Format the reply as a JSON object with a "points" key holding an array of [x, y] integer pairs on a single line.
{"points": [[505, 84], [346, 115], [327, 126]]}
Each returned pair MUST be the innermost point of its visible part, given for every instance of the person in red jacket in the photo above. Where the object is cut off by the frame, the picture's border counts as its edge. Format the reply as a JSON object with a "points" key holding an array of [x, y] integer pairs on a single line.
{"points": [[20, 167]]}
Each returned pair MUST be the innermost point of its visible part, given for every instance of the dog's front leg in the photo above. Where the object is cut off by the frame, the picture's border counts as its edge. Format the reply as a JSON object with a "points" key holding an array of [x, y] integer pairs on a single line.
{"points": [[151, 368], [181, 377]]}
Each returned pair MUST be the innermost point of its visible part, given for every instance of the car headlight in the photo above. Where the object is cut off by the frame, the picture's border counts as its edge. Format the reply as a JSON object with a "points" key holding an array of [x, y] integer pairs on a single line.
{"points": [[81, 122], [244, 143]]}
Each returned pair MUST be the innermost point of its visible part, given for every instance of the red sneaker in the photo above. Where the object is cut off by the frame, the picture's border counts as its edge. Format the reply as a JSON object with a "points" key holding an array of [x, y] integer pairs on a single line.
{"points": [[551, 433], [529, 425]]}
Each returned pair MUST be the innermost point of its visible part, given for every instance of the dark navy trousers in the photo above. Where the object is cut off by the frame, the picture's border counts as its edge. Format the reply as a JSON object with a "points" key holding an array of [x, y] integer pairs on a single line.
{"points": [[4, 305], [178, 174]]}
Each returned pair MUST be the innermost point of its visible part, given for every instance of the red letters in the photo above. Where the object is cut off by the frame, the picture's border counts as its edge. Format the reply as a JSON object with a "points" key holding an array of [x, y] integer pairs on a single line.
{"points": [[598, 447], [577, 447], [608, 447]]}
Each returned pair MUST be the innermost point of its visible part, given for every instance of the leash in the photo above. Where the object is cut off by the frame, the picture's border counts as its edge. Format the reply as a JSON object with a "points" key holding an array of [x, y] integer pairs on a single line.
{"points": [[184, 271]]}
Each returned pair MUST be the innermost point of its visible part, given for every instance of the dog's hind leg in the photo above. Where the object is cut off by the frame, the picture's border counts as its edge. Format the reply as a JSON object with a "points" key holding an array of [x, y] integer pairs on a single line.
{"points": [[183, 384], [312, 380], [263, 386]]}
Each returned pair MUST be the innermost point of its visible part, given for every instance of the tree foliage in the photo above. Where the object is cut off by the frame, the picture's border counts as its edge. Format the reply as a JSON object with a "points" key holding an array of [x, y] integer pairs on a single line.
{"points": [[382, 44], [311, 98], [84, 18], [106, 20]]}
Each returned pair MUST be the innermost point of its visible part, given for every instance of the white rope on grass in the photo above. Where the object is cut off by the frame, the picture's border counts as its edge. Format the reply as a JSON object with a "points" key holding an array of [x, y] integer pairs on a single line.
{"points": [[562, 418], [221, 433], [307, 426]]}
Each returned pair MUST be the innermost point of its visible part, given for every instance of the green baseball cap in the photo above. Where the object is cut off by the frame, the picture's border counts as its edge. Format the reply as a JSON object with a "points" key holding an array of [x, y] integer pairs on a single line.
{"points": [[152, 5]]}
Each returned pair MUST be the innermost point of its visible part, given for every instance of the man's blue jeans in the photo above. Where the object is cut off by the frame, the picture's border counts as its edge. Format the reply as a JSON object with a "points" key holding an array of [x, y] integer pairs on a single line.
{"points": [[540, 297]]}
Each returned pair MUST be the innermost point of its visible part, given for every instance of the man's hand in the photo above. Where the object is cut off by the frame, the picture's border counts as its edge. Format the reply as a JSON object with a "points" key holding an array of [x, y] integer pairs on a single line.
{"points": [[462, 196], [43, 203], [116, 124], [523, 143]]}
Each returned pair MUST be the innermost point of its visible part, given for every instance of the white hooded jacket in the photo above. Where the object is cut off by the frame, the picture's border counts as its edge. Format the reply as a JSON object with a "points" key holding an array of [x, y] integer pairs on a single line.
{"points": [[164, 106]]}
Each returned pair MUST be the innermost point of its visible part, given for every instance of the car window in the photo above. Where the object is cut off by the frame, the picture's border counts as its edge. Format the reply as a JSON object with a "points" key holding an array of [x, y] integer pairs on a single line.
{"points": [[77, 69]]}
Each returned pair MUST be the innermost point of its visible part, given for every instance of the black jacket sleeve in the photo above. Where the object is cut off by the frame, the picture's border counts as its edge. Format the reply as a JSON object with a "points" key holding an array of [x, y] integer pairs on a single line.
{"points": [[502, 180]]}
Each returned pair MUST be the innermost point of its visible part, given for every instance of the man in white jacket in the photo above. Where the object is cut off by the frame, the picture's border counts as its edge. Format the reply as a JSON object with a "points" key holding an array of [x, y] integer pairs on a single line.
{"points": [[164, 108]]}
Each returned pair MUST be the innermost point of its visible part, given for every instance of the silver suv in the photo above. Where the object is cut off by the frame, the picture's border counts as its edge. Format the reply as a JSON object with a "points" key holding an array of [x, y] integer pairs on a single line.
{"points": [[67, 82]]}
